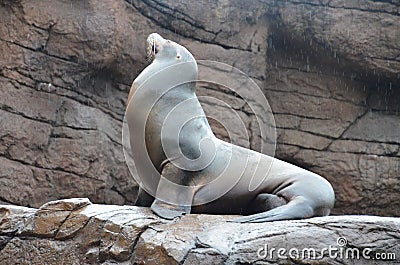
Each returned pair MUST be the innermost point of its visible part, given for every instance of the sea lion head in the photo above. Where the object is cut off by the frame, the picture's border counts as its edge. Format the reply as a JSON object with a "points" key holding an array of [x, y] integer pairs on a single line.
{"points": [[163, 54], [167, 51]]}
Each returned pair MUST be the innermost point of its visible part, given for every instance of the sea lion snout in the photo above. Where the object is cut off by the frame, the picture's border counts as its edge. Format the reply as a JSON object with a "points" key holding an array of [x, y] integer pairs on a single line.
{"points": [[154, 45]]}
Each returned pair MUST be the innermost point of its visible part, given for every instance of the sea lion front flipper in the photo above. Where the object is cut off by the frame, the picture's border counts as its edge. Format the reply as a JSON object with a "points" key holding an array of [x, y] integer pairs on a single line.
{"points": [[173, 198], [298, 208], [143, 198], [169, 211]]}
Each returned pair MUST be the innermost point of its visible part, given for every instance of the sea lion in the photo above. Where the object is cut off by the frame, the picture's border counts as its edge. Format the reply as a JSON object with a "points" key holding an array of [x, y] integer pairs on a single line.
{"points": [[189, 170]]}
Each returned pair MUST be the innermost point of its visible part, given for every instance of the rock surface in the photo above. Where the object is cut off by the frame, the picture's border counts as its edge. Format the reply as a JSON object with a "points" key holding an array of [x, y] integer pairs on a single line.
{"points": [[330, 70], [75, 231]]}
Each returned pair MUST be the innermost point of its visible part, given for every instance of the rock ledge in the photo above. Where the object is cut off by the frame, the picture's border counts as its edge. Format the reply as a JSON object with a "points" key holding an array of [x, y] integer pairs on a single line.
{"points": [[75, 231]]}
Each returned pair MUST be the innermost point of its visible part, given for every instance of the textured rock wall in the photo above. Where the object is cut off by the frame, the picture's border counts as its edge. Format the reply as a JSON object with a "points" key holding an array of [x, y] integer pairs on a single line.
{"points": [[75, 231], [330, 70]]}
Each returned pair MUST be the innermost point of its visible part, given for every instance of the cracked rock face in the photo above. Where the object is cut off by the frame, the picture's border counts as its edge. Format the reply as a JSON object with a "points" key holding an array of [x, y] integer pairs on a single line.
{"points": [[75, 231], [330, 70]]}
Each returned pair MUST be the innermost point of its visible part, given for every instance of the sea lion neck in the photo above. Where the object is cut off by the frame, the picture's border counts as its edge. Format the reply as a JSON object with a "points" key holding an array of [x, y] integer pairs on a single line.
{"points": [[161, 76]]}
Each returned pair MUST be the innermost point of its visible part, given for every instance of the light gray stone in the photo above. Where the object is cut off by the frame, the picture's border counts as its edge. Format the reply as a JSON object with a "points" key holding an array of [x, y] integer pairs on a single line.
{"points": [[109, 234]]}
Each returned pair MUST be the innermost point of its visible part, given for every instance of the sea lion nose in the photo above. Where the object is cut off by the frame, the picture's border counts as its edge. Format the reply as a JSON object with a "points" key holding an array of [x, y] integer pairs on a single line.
{"points": [[154, 37], [153, 43]]}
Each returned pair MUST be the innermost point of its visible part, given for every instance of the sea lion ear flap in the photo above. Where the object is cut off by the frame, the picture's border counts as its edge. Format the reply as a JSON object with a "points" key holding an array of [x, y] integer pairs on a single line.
{"points": [[178, 56]]}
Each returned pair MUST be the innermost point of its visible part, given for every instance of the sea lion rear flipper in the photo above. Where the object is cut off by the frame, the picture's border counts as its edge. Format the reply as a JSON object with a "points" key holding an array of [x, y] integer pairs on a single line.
{"points": [[297, 208]]}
